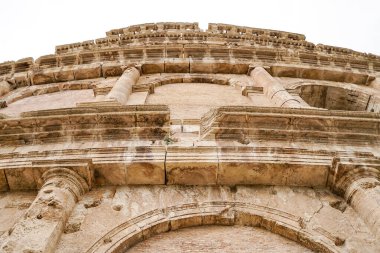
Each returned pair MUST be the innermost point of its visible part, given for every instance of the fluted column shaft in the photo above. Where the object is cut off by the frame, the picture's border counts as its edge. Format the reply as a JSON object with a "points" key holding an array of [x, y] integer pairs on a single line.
{"points": [[123, 86], [40, 228], [273, 89]]}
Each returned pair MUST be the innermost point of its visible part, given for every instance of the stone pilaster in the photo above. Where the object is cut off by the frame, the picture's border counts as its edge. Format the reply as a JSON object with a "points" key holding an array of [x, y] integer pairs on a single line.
{"points": [[273, 89], [362, 191], [40, 228], [123, 86]]}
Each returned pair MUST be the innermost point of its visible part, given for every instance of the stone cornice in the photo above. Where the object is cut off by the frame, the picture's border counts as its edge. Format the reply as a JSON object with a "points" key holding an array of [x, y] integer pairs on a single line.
{"points": [[87, 123], [182, 41]]}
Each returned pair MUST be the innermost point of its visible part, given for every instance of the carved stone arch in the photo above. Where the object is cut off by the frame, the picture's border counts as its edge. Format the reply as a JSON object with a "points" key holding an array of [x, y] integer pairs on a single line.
{"points": [[47, 96], [221, 80], [146, 225], [190, 96], [46, 89]]}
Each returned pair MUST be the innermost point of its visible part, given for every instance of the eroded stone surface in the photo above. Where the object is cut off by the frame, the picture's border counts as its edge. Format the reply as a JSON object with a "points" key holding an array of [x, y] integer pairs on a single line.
{"points": [[204, 97], [170, 127], [49, 101], [218, 239], [105, 209]]}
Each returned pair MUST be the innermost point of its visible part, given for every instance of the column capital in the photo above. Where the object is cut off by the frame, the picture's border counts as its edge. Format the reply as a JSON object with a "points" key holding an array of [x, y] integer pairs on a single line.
{"points": [[67, 179], [253, 67], [359, 188], [359, 177]]}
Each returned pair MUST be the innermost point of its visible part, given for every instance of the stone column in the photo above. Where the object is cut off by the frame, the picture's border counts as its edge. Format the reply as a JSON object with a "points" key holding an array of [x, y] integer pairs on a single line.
{"points": [[363, 195], [274, 89], [40, 228], [123, 86]]}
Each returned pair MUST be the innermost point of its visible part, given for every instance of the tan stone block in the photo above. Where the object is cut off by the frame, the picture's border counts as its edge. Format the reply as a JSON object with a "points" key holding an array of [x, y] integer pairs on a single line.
{"points": [[153, 119], [87, 71], [256, 173], [117, 120], [43, 76], [185, 222], [109, 174], [177, 66], [64, 74], [153, 67], [191, 173], [22, 79], [20, 179], [152, 133], [145, 173], [112, 69]]}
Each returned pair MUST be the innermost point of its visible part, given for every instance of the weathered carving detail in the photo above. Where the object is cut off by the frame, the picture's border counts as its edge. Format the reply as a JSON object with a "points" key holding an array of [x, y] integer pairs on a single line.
{"points": [[171, 126], [41, 226], [358, 187]]}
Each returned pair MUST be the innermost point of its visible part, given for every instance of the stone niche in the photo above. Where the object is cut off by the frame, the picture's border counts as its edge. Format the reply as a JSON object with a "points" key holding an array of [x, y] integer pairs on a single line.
{"points": [[334, 98]]}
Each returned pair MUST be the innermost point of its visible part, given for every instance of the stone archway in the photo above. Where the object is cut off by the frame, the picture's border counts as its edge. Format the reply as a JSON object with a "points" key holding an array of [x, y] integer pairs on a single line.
{"points": [[142, 227]]}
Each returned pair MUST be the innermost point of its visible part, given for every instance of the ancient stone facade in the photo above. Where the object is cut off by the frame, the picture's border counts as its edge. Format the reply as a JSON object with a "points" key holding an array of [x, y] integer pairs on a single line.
{"points": [[164, 137]]}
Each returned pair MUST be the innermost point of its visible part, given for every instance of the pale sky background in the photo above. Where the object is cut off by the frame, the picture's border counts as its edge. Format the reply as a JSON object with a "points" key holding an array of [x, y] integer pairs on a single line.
{"points": [[33, 28]]}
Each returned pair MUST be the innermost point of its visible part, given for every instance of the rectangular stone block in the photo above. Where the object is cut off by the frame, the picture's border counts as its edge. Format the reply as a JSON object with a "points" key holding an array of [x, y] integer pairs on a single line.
{"points": [[177, 66], [20, 179], [109, 173], [138, 173], [258, 173], [88, 71], [192, 166], [64, 74]]}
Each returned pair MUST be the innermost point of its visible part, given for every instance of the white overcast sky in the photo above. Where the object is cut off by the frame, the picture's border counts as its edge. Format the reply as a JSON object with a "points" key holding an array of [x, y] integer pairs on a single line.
{"points": [[33, 28]]}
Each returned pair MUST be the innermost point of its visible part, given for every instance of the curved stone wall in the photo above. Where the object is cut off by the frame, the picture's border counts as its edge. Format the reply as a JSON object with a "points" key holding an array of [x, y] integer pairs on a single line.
{"points": [[164, 126]]}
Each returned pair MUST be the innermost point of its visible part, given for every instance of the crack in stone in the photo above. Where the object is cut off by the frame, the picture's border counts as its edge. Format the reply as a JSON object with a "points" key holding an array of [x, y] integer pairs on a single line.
{"points": [[315, 212]]}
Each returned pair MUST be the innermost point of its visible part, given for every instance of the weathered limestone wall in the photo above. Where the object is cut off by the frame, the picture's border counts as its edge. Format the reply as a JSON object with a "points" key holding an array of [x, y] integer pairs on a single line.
{"points": [[13, 206], [56, 100], [40, 228], [193, 100], [164, 127], [148, 90], [316, 219], [215, 239]]}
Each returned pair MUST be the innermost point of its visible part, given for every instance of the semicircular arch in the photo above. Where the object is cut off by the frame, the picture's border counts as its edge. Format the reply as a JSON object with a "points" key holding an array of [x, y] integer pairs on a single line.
{"points": [[142, 227]]}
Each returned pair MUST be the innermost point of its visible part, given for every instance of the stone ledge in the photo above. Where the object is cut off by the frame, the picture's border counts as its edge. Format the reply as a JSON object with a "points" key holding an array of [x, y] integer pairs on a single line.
{"points": [[297, 125], [86, 123], [131, 163]]}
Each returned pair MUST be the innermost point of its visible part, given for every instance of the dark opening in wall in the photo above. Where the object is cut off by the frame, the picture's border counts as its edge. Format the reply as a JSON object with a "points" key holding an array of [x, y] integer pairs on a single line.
{"points": [[334, 98]]}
